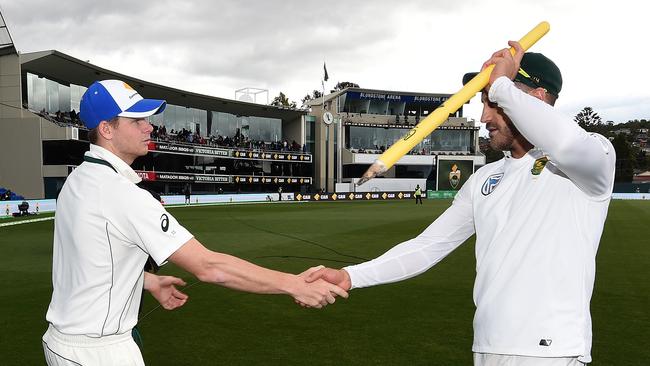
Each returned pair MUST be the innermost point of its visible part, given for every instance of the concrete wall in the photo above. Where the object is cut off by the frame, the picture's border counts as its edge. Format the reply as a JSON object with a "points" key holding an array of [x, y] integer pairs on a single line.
{"points": [[384, 184], [20, 142], [21, 156], [321, 162], [10, 92]]}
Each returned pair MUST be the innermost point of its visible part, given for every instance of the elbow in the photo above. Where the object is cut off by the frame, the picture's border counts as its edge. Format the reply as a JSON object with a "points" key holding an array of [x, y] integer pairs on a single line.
{"points": [[210, 272]]}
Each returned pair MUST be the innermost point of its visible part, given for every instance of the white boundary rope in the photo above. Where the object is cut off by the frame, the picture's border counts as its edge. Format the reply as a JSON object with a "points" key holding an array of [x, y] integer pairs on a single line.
{"points": [[26, 221]]}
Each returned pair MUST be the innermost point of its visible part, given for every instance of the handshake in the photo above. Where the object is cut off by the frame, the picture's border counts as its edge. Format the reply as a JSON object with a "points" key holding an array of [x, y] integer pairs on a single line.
{"points": [[320, 286]]}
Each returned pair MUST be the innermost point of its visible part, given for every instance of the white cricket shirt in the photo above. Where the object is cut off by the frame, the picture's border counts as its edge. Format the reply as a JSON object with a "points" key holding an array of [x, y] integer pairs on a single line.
{"points": [[536, 235], [105, 229]]}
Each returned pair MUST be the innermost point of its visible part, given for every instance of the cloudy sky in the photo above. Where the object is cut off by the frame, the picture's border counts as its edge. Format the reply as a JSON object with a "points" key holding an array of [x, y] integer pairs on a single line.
{"points": [[216, 47]]}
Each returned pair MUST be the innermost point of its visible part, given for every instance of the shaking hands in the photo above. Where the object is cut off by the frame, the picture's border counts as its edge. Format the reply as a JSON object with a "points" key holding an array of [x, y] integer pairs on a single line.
{"points": [[326, 283]]}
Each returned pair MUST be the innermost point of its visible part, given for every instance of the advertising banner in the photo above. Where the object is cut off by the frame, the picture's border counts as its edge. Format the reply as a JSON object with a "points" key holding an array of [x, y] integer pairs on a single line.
{"points": [[174, 148], [169, 147], [271, 155], [354, 196], [253, 179], [182, 177]]}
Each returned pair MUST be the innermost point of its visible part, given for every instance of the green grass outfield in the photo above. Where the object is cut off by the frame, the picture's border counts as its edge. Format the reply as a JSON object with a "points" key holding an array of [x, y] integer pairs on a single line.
{"points": [[423, 321]]}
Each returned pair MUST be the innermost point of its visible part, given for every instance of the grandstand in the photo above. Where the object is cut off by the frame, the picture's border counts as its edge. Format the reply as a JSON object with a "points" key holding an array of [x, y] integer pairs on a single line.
{"points": [[215, 144], [350, 128]]}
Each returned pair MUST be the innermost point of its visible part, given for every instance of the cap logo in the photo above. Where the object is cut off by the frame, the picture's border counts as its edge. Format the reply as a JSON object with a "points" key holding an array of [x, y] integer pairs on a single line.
{"points": [[523, 73], [127, 86]]}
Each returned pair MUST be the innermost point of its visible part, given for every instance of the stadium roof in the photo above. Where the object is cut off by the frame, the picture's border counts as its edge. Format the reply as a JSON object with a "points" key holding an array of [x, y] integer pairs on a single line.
{"points": [[66, 69]]}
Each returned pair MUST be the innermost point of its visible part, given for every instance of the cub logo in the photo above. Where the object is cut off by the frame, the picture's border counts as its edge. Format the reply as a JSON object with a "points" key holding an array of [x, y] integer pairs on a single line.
{"points": [[491, 183]]}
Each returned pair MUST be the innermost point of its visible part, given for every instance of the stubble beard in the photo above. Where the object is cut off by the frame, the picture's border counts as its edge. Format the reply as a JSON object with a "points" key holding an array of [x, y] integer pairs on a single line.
{"points": [[505, 137]]}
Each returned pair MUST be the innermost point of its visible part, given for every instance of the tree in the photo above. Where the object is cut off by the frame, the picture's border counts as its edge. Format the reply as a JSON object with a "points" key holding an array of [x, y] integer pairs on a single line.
{"points": [[625, 159], [589, 120], [344, 84], [282, 101], [314, 95]]}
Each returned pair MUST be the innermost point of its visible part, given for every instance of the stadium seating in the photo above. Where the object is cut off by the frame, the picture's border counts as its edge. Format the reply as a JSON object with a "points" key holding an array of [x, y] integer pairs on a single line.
{"points": [[8, 195]]}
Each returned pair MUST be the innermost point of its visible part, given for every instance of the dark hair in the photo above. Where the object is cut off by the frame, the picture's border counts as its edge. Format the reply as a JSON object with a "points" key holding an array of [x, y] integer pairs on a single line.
{"points": [[93, 135]]}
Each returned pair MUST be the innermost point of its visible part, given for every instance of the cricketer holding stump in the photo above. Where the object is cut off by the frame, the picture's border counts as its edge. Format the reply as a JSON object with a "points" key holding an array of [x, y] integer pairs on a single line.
{"points": [[538, 215], [106, 228]]}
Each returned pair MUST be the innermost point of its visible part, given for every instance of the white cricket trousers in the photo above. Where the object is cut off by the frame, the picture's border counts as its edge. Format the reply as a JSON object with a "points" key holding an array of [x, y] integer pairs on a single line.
{"points": [[72, 350], [491, 359]]}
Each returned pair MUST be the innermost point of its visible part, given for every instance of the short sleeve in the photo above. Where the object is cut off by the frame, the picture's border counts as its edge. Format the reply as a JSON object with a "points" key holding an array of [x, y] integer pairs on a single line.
{"points": [[143, 221]]}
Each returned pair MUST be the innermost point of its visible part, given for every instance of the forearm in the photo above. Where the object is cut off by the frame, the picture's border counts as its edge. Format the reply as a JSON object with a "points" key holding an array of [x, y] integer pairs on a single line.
{"points": [[235, 273], [417, 255]]}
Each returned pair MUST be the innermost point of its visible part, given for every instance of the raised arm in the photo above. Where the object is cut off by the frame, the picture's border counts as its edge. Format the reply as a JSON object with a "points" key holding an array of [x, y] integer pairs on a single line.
{"points": [[588, 159]]}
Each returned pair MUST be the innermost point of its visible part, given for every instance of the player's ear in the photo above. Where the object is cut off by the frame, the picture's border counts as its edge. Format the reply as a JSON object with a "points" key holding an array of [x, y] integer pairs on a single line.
{"points": [[104, 129], [539, 93]]}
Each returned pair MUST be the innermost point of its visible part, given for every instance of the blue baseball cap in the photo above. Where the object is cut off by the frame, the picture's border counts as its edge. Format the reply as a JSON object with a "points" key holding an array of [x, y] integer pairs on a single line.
{"points": [[107, 99]]}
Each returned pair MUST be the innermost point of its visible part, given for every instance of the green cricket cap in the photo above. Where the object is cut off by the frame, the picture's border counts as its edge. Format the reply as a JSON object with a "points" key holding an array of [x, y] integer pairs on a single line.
{"points": [[536, 71]]}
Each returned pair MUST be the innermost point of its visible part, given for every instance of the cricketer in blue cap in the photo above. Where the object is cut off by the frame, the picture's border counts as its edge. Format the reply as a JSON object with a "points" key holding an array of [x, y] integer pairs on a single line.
{"points": [[107, 99], [107, 228]]}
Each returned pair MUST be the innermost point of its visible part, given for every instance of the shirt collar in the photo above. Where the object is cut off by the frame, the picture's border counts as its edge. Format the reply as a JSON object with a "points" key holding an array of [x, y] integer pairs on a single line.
{"points": [[122, 168], [530, 156]]}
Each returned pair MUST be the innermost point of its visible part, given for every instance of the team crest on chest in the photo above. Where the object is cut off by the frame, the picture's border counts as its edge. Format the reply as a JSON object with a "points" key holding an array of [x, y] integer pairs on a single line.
{"points": [[539, 165], [491, 183]]}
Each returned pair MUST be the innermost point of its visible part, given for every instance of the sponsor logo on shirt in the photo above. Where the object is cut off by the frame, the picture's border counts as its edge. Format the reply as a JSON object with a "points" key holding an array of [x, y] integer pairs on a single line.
{"points": [[491, 183], [164, 222], [545, 342]]}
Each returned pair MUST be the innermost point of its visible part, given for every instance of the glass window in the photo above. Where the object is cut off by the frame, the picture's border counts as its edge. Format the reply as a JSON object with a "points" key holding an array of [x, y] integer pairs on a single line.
{"points": [[64, 98], [255, 128], [379, 139], [76, 92], [30, 91], [37, 101], [51, 96]]}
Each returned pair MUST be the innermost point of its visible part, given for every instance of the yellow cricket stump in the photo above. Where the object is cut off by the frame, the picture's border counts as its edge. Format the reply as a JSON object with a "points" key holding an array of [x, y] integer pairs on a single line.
{"points": [[437, 117]]}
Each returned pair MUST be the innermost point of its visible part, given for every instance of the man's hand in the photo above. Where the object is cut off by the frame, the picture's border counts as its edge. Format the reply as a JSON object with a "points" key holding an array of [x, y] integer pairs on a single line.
{"points": [[338, 277], [330, 298], [163, 289], [505, 64], [316, 294]]}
